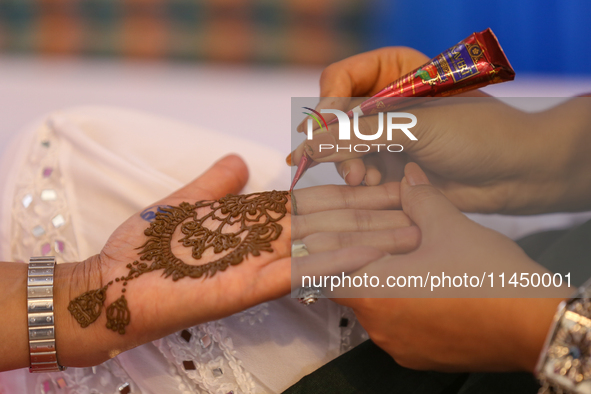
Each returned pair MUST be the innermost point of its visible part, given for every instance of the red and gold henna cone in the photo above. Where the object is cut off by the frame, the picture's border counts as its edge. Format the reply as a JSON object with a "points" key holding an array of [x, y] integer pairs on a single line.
{"points": [[473, 63]]}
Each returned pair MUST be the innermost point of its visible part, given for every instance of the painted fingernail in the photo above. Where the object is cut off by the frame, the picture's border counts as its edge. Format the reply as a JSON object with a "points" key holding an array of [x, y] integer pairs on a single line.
{"points": [[415, 175], [288, 160]]}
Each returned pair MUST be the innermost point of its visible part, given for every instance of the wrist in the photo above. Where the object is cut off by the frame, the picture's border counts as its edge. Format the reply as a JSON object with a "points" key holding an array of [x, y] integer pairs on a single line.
{"points": [[535, 321], [15, 336], [77, 346], [553, 163], [536, 180], [573, 130]]}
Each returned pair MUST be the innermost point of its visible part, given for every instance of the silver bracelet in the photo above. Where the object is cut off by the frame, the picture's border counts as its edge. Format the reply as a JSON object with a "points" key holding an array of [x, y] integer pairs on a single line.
{"points": [[40, 315]]}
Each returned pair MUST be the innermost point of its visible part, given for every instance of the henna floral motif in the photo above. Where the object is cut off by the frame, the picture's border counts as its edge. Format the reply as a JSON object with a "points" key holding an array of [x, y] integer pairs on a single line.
{"points": [[87, 307], [118, 315], [240, 225]]}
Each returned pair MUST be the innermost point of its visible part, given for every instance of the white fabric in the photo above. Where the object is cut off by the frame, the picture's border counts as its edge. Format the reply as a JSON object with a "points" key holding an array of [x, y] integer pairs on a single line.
{"points": [[110, 163]]}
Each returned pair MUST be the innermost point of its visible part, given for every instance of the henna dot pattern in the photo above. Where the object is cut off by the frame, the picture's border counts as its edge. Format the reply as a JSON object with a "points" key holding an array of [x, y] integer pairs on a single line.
{"points": [[237, 225]]}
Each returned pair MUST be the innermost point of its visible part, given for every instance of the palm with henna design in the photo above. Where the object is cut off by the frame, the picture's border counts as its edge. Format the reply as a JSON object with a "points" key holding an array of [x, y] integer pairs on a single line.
{"points": [[152, 279]]}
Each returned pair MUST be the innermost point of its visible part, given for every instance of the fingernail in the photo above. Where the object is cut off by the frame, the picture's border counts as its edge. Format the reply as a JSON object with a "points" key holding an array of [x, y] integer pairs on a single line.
{"points": [[345, 173], [415, 175], [288, 160], [322, 145]]}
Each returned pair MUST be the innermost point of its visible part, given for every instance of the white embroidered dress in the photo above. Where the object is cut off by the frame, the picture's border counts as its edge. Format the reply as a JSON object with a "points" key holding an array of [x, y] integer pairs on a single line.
{"points": [[70, 179]]}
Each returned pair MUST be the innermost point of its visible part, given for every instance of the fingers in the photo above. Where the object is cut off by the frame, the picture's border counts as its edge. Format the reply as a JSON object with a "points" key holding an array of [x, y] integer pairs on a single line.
{"points": [[228, 175], [275, 278], [331, 197], [335, 262], [351, 77], [347, 220], [365, 74], [423, 203], [352, 171], [394, 241], [374, 168], [362, 75], [384, 132], [391, 167]]}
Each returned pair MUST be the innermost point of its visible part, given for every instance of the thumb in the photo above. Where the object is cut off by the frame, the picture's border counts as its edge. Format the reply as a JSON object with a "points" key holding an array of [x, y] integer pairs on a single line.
{"points": [[227, 175], [424, 204]]}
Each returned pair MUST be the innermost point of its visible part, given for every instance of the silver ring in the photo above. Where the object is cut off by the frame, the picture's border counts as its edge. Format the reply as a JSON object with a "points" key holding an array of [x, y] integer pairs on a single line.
{"points": [[306, 295], [299, 249]]}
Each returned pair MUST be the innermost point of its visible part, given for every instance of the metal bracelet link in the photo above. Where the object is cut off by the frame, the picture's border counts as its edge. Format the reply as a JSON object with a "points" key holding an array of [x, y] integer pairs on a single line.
{"points": [[40, 316]]}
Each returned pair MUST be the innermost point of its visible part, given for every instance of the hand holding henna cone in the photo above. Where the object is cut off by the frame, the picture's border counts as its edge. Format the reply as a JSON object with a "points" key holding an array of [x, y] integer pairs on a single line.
{"points": [[473, 63]]}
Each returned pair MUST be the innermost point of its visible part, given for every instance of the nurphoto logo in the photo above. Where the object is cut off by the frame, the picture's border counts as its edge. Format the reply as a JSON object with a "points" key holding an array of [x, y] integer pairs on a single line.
{"points": [[345, 130]]}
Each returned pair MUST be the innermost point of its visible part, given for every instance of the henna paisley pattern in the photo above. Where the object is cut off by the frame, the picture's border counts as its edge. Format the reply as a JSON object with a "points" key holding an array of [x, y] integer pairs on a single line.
{"points": [[255, 216], [239, 225]]}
